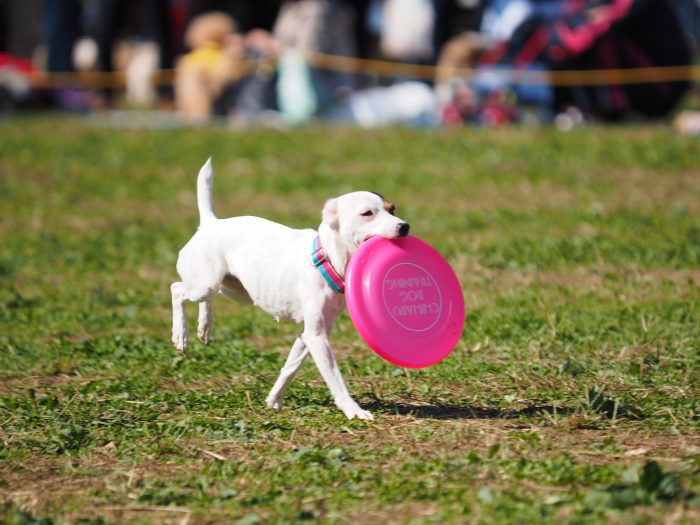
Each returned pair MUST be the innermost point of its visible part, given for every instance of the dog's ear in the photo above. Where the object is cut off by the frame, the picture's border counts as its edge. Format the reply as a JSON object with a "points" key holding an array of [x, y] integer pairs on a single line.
{"points": [[330, 214]]}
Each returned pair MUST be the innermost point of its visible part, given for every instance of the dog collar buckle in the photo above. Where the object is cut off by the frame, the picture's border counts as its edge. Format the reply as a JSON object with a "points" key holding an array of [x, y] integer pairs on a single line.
{"points": [[319, 259], [318, 256]]}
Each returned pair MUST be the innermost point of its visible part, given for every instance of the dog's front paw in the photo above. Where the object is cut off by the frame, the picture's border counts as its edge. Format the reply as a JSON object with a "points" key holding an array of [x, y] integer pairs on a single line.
{"points": [[365, 415], [203, 336], [356, 411], [275, 403], [180, 342]]}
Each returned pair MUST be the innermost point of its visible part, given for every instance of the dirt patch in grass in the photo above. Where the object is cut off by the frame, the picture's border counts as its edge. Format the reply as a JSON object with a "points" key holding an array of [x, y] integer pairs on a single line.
{"points": [[644, 189], [165, 515], [401, 514], [21, 385], [523, 196], [37, 481]]}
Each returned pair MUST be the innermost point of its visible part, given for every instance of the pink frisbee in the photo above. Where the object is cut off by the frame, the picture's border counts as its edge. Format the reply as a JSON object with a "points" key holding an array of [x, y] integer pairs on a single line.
{"points": [[405, 301]]}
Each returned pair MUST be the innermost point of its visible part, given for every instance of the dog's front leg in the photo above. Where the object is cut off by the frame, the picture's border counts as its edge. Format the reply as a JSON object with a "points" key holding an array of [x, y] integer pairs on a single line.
{"points": [[296, 357], [322, 354]]}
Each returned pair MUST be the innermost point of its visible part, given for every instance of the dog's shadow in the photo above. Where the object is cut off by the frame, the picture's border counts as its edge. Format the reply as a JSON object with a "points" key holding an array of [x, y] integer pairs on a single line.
{"points": [[450, 411]]}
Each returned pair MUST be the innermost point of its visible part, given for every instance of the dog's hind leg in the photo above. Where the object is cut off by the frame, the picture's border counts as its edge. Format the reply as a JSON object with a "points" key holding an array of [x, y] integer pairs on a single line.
{"points": [[177, 291], [204, 322], [296, 357]]}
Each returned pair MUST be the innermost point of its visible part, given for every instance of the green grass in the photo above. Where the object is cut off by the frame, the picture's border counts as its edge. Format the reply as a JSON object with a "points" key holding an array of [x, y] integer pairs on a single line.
{"points": [[573, 395]]}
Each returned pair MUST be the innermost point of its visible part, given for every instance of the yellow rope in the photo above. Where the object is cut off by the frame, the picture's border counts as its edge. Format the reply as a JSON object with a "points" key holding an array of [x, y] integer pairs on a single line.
{"points": [[555, 78], [385, 68]]}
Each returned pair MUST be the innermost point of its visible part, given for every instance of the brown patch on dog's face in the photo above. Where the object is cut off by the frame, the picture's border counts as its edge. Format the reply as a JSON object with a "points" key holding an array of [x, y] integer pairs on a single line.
{"points": [[388, 206]]}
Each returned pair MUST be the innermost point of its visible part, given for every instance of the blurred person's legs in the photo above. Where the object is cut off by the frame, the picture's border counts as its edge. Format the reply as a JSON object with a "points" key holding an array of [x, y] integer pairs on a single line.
{"points": [[62, 25], [154, 26], [108, 19], [151, 23], [4, 26], [316, 26]]}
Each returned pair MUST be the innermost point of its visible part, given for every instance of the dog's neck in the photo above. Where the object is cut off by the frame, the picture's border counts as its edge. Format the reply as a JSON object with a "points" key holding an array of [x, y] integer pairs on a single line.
{"points": [[336, 250]]}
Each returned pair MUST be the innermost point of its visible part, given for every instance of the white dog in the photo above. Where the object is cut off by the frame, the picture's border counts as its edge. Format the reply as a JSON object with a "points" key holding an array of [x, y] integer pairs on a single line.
{"points": [[255, 260]]}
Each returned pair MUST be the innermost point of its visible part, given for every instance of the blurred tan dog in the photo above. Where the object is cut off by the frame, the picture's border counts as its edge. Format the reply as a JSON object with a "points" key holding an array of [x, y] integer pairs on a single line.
{"points": [[202, 74]]}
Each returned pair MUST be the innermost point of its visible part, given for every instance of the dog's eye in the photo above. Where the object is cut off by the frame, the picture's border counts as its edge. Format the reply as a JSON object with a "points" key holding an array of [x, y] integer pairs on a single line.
{"points": [[367, 213]]}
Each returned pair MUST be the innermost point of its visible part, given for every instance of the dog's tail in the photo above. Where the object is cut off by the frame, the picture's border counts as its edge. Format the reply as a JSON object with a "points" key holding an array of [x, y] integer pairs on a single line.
{"points": [[205, 183]]}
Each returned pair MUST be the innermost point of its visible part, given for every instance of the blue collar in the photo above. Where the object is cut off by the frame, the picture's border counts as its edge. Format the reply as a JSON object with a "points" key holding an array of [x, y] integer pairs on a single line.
{"points": [[320, 260]]}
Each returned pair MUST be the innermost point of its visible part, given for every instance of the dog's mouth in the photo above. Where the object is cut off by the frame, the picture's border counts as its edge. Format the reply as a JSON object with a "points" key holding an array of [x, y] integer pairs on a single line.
{"points": [[372, 235]]}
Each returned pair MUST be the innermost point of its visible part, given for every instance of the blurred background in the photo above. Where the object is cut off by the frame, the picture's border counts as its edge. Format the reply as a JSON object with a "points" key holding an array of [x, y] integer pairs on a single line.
{"points": [[427, 63]]}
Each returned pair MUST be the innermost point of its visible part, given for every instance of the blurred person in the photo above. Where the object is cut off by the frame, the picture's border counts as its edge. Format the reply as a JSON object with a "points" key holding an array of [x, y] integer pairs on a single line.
{"points": [[629, 43], [4, 26], [455, 17], [313, 26], [62, 26], [688, 13], [216, 79], [244, 96], [62, 18], [22, 27], [441, 21], [687, 121], [145, 21], [251, 99], [459, 52], [260, 14], [203, 73], [407, 30], [555, 35], [22, 31]]}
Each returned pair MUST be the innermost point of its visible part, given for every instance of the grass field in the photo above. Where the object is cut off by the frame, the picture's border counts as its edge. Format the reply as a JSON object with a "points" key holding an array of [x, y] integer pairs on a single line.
{"points": [[573, 395]]}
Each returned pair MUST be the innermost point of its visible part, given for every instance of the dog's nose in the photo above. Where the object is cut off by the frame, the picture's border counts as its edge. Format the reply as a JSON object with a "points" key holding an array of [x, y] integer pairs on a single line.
{"points": [[402, 229]]}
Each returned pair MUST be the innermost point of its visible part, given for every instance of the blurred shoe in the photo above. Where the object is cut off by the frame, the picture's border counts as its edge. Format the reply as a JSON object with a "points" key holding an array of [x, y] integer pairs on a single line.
{"points": [[687, 123], [71, 99]]}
